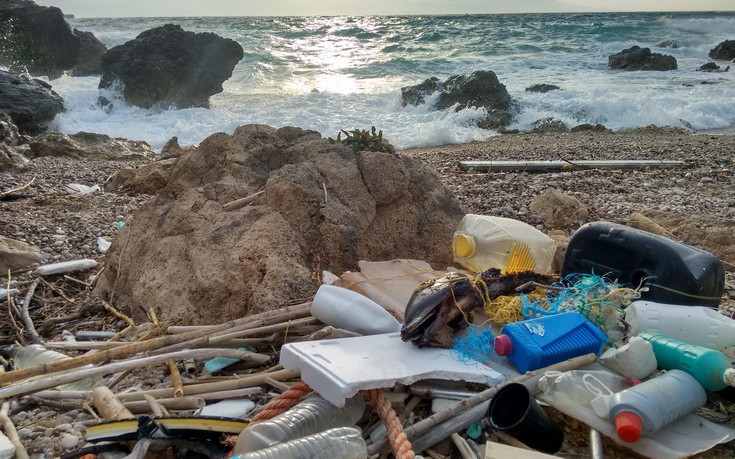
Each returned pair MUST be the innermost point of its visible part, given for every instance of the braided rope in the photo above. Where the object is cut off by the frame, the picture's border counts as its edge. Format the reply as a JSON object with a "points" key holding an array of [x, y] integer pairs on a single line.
{"points": [[398, 439], [282, 402]]}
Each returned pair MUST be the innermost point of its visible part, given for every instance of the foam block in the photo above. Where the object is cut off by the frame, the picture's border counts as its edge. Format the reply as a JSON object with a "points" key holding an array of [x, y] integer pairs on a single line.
{"points": [[338, 369]]}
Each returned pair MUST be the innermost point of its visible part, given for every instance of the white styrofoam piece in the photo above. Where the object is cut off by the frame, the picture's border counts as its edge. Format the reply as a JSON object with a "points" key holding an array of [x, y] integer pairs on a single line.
{"points": [[338, 369], [229, 409]]}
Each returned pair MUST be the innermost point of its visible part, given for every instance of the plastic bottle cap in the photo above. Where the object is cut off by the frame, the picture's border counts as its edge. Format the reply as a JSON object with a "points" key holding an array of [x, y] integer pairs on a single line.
{"points": [[502, 345], [464, 245], [629, 426]]}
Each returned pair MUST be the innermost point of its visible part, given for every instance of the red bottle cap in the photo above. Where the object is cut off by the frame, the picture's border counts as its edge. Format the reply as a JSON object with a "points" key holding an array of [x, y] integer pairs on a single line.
{"points": [[629, 426], [502, 345]]}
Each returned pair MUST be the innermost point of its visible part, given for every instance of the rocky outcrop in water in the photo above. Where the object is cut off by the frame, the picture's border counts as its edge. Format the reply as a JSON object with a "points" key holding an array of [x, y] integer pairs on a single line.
{"points": [[637, 58], [324, 207], [723, 51], [169, 66], [542, 87], [39, 40], [479, 89], [30, 103]]}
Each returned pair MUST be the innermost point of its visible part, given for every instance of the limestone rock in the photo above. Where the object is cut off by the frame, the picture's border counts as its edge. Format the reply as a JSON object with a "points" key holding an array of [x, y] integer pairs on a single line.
{"points": [[167, 65], [558, 210], [88, 145], [549, 125], [10, 158], [9, 134], [15, 254], [219, 265], [38, 39], [148, 178], [637, 58], [30, 103]]}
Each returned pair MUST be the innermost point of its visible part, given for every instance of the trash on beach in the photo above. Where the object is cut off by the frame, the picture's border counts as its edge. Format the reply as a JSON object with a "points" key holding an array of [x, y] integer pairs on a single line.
{"points": [[81, 190], [559, 166], [103, 245], [4, 292], [66, 267]]}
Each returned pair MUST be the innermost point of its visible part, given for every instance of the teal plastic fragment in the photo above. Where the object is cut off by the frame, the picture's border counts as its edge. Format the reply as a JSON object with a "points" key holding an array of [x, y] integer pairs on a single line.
{"points": [[474, 431], [219, 363]]}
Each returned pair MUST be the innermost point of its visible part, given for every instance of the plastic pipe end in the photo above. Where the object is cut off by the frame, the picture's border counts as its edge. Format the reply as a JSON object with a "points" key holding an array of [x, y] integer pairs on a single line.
{"points": [[629, 426]]}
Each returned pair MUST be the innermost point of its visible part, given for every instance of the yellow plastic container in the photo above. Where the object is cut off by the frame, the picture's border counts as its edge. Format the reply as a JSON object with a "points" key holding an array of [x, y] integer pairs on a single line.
{"points": [[482, 242]]}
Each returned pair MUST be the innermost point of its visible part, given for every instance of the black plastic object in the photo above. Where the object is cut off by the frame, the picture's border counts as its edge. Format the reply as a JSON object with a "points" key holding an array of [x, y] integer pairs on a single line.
{"points": [[512, 410], [671, 272]]}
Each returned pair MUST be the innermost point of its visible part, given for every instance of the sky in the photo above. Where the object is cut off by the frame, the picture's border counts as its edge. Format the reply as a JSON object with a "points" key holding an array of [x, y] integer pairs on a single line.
{"points": [[138, 8]]}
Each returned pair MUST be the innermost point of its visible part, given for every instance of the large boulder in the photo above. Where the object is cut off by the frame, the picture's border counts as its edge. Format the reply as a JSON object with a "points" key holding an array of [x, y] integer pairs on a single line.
{"points": [[325, 207], [88, 145], [31, 103], [637, 58], [724, 51], [16, 254], [38, 39], [479, 89], [169, 66]]}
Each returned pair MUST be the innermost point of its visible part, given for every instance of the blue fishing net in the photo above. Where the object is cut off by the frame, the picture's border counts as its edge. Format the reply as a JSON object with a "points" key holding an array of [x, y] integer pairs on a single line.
{"points": [[475, 345]]}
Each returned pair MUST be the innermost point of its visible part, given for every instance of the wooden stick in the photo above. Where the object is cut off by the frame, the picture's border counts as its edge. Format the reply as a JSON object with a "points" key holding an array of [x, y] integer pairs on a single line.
{"points": [[20, 188], [178, 386], [65, 378], [557, 166], [466, 404], [48, 395], [84, 345], [242, 202], [12, 434], [108, 405], [25, 316], [134, 348], [179, 404], [278, 385], [463, 447]]}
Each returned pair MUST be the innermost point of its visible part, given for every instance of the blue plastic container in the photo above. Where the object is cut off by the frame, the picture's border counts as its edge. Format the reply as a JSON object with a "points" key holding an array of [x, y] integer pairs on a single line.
{"points": [[538, 343]]}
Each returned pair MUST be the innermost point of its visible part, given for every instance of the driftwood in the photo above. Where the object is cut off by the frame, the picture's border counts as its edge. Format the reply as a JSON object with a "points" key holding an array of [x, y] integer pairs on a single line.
{"points": [[640, 221], [455, 411], [558, 166], [108, 405], [242, 202], [11, 432], [182, 403], [65, 378], [257, 320], [26, 317], [176, 383]]}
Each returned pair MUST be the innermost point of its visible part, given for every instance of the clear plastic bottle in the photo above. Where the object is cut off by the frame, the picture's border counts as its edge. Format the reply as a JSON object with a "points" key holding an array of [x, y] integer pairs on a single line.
{"points": [[482, 242], [36, 354], [308, 417], [340, 442]]}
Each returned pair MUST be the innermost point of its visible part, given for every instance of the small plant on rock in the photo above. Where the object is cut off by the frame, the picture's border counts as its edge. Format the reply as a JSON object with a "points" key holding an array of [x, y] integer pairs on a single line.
{"points": [[362, 140]]}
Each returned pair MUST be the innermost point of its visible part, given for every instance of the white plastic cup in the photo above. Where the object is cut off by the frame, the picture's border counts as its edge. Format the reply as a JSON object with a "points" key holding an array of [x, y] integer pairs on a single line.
{"points": [[347, 309], [691, 324]]}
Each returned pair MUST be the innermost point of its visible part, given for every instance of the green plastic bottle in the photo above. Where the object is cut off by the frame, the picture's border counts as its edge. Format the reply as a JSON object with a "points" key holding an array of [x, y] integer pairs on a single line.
{"points": [[711, 368]]}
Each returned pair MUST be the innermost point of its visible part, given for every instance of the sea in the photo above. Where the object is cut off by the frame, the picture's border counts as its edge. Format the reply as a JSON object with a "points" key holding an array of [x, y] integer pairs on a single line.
{"points": [[333, 73]]}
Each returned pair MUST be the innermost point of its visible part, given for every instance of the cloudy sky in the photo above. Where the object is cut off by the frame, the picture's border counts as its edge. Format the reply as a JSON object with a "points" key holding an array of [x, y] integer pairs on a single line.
{"points": [[136, 8]]}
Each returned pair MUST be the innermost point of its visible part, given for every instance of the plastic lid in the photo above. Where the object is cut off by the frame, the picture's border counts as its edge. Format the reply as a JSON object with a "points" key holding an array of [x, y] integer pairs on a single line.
{"points": [[464, 245], [502, 345], [629, 426]]}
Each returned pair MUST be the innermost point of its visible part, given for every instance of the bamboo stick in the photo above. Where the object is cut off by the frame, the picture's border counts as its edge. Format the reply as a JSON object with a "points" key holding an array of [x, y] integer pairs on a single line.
{"points": [[11, 432], [48, 395], [65, 378], [108, 405], [242, 202], [134, 348], [153, 406], [176, 383], [470, 403]]}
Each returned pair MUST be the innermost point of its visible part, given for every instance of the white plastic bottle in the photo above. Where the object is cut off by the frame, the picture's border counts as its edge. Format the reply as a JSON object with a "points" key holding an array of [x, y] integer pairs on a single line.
{"points": [[308, 417], [340, 442], [344, 308], [692, 324], [648, 406], [482, 242], [36, 354]]}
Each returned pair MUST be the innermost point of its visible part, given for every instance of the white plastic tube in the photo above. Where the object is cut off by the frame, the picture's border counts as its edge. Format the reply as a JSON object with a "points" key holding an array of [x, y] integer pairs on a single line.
{"points": [[66, 267], [340, 442]]}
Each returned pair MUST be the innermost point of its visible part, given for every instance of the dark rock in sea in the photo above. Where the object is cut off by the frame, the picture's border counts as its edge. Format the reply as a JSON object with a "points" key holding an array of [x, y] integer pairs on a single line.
{"points": [[30, 103], [169, 66], [712, 67], [546, 125], [88, 145], [38, 39], [724, 51], [480, 89], [637, 58], [668, 44], [543, 87], [586, 127]]}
